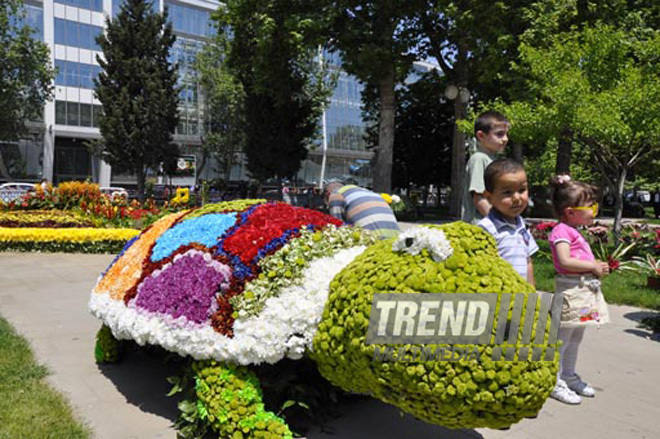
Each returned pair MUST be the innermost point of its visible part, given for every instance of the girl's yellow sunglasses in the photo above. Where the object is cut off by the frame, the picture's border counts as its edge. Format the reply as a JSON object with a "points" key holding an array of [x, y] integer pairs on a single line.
{"points": [[593, 208]]}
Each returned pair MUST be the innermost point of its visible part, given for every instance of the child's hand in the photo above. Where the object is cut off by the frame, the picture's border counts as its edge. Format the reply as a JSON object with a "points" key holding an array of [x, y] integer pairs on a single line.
{"points": [[600, 268]]}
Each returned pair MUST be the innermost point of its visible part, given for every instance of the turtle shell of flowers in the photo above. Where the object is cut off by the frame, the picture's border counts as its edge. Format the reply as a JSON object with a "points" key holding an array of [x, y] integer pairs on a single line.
{"points": [[179, 283]]}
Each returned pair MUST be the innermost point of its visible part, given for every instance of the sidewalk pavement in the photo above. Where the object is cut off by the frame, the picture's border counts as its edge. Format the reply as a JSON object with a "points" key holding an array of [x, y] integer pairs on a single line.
{"points": [[44, 296]]}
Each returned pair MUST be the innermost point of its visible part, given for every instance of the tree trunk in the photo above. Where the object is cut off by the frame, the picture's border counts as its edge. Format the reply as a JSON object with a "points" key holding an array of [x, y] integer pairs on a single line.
{"points": [[201, 167], [3, 169], [141, 178], [382, 168], [228, 164], [518, 152], [458, 145], [564, 151], [618, 203]]}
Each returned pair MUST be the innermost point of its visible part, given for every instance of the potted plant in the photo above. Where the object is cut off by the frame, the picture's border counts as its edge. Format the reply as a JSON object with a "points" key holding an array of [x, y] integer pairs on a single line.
{"points": [[651, 267]]}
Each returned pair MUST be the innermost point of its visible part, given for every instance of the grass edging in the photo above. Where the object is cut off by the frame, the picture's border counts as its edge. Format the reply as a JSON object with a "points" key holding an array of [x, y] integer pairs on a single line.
{"points": [[29, 406]]}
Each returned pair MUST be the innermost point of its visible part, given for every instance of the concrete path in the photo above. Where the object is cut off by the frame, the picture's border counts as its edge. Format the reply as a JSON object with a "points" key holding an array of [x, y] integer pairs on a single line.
{"points": [[44, 296]]}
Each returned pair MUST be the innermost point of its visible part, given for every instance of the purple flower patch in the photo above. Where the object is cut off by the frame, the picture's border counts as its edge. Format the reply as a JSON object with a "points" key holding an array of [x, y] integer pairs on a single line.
{"points": [[185, 287]]}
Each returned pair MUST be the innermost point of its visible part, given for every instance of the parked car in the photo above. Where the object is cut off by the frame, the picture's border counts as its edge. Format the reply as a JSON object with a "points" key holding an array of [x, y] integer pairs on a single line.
{"points": [[13, 191], [637, 196], [114, 191]]}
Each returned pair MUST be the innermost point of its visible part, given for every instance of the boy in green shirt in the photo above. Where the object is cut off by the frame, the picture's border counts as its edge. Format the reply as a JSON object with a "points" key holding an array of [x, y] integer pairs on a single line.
{"points": [[491, 130]]}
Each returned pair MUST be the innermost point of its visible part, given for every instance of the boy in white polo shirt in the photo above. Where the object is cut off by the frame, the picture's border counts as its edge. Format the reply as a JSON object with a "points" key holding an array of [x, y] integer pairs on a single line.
{"points": [[505, 181]]}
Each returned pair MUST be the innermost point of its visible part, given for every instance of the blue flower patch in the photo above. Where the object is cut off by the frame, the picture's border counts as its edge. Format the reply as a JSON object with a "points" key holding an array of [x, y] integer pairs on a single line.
{"points": [[205, 230]]}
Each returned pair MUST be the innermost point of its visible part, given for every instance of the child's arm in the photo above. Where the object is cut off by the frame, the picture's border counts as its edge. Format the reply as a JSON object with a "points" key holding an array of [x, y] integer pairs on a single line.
{"points": [[563, 249], [530, 272], [481, 204]]}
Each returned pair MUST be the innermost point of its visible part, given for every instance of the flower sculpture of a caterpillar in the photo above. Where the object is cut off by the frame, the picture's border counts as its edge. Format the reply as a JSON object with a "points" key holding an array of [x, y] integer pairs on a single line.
{"points": [[247, 282]]}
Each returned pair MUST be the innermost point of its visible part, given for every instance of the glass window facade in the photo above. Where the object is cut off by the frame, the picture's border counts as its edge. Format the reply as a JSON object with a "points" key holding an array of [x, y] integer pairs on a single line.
{"points": [[23, 159], [32, 16], [77, 114], [189, 20], [344, 125], [72, 160], [73, 74], [191, 102], [94, 5], [347, 156], [72, 33]]}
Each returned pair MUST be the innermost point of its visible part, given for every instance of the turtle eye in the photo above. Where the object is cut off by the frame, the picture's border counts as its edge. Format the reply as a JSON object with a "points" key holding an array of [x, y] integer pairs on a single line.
{"points": [[409, 242]]}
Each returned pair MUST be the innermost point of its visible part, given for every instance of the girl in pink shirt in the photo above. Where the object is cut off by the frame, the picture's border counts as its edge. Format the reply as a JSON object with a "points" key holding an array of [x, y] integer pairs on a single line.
{"points": [[578, 274]]}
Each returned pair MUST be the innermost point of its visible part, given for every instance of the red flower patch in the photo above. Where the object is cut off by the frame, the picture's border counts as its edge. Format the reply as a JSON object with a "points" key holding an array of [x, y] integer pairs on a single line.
{"points": [[268, 222]]}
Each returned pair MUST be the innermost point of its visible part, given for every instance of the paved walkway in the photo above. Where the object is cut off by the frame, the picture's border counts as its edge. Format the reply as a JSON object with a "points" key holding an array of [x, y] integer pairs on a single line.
{"points": [[45, 297]]}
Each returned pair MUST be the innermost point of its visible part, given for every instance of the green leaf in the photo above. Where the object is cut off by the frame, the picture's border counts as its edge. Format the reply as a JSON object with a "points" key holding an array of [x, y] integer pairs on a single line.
{"points": [[287, 404]]}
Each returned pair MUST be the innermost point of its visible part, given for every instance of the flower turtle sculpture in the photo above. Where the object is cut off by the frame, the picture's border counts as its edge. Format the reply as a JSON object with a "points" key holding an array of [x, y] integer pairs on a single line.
{"points": [[246, 282]]}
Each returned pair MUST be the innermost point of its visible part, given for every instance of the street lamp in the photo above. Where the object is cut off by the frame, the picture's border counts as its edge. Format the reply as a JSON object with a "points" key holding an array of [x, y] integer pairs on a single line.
{"points": [[461, 96]]}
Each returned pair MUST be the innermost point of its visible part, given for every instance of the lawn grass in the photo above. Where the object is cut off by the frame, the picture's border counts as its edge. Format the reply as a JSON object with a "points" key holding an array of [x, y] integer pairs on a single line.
{"points": [[650, 216], [619, 288], [29, 407]]}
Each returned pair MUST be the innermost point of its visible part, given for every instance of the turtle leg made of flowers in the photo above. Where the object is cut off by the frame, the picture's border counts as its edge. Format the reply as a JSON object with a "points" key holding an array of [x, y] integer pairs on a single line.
{"points": [[107, 348], [229, 400]]}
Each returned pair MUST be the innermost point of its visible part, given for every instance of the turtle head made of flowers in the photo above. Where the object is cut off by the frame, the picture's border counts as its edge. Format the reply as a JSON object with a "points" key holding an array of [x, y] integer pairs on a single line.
{"points": [[469, 393]]}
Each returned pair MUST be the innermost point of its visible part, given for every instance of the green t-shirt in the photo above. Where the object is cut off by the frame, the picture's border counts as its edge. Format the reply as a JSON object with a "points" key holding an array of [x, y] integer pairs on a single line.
{"points": [[474, 177]]}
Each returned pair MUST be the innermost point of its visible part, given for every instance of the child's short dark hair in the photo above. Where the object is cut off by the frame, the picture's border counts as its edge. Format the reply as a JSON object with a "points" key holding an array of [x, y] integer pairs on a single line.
{"points": [[570, 193], [486, 119], [500, 167]]}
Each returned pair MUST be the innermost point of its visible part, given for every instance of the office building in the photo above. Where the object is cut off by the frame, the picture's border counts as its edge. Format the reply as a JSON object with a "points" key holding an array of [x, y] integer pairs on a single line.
{"points": [[56, 146]]}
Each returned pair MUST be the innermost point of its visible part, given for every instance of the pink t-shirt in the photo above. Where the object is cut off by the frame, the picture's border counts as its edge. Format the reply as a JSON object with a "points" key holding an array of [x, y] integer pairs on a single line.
{"points": [[579, 246]]}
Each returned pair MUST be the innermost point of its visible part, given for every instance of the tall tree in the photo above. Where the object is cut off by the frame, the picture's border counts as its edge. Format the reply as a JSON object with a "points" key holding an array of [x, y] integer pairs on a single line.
{"points": [[26, 74], [602, 84], [377, 44], [474, 42], [225, 131], [548, 18], [273, 53], [137, 88], [422, 145], [423, 131]]}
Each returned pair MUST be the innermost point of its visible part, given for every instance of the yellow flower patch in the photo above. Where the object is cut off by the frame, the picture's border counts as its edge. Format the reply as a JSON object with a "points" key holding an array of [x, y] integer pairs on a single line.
{"points": [[29, 234]]}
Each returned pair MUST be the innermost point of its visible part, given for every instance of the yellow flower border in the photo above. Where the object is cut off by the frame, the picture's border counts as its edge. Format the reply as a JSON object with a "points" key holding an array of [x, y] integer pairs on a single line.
{"points": [[36, 216], [29, 234]]}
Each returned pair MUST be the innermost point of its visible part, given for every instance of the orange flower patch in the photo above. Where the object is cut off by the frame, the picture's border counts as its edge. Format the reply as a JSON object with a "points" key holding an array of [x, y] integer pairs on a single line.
{"points": [[126, 272]]}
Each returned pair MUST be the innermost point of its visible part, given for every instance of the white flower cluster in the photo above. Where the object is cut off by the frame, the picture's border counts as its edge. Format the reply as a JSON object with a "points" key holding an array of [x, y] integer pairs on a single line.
{"points": [[414, 239], [285, 327], [286, 266]]}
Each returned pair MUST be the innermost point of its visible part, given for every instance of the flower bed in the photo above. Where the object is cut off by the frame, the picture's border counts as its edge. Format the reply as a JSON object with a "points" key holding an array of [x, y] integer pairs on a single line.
{"points": [[73, 240], [86, 200], [43, 219]]}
